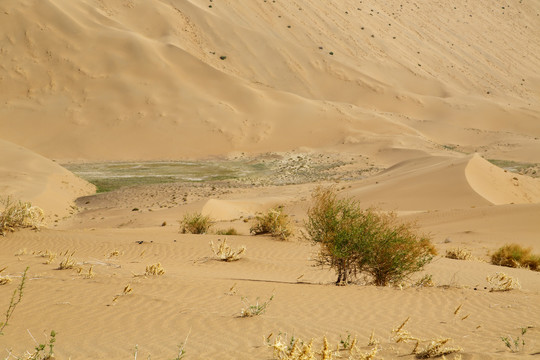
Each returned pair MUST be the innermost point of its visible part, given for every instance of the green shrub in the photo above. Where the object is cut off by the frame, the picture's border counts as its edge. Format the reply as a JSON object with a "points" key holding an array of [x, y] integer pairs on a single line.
{"points": [[355, 240], [274, 222], [515, 255], [195, 223], [19, 215]]}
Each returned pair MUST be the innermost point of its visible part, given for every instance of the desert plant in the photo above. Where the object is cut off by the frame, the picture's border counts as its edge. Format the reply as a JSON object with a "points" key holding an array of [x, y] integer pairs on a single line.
{"points": [[16, 298], [250, 310], [18, 214], [297, 349], [154, 269], [68, 262], [502, 282], [437, 348], [229, 231], [273, 222], [225, 253], [355, 240], [458, 254], [4, 279], [195, 223], [512, 344], [514, 255], [434, 348]]}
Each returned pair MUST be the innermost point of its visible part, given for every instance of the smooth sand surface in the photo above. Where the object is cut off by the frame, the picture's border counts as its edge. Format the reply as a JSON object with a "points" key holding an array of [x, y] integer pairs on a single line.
{"points": [[395, 104]]}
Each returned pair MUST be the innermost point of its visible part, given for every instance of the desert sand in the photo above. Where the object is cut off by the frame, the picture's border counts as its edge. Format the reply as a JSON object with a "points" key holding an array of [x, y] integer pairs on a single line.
{"points": [[398, 105]]}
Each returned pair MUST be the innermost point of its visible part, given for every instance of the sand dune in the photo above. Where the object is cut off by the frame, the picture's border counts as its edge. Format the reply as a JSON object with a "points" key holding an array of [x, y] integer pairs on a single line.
{"points": [[27, 176], [124, 80]]}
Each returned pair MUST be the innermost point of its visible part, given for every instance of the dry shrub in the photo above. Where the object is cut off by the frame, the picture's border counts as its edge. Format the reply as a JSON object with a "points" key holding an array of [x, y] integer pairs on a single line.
{"points": [[297, 349], [154, 269], [273, 222], [434, 348], [19, 215], [355, 240], [195, 223], [502, 282], [514, 255], [230, 231], [225, 253], [459, 254]]}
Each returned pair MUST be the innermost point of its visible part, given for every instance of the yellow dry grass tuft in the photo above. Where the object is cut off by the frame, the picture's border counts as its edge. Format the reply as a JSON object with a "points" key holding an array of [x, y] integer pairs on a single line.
{"points": [[154, 270], [403, 335], [459, 254], [502, 282], [372, 340], [19, 215], [4, 279], [114, 253], [436, 348], [49, 255], [68, 262], [225, 253], [297, 349], [88, 275]]}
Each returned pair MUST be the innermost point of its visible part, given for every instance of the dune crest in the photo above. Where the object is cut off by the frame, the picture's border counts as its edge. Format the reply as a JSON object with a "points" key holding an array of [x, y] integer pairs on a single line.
{"points": [[500, 186], [27, 176]]}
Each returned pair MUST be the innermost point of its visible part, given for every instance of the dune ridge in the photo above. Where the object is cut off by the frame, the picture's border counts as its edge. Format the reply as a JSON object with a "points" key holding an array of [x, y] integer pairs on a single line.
{"points": [[27, 176], [132, 80]]}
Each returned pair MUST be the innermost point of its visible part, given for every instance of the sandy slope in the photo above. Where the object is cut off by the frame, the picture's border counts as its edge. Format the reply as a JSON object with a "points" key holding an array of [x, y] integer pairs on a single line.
{"points": [[128, 79], [27, 176]]}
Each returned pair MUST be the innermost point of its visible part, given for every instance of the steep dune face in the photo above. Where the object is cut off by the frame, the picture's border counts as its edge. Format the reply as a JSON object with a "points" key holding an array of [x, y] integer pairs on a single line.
{"points": [[27, 176], [499, 186], [153, 79]]}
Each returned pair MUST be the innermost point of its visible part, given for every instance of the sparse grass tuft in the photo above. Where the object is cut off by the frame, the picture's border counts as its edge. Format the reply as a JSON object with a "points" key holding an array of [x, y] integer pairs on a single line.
{"points": [[195, 223], [514, 255], [434, 348], [256, 309], [273, 222], [298, 349], [154, 269], [16, 298], [502, 282], [4, 279], [19, 215], [458, 254], [230, 231], [68, 262], [514, 345], [225, 253]]}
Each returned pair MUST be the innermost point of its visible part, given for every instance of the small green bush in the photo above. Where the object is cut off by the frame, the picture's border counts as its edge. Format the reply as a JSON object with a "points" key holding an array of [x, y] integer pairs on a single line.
{"points": [[274, 222], [195, 223], [514, 255], [355, 240]]}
